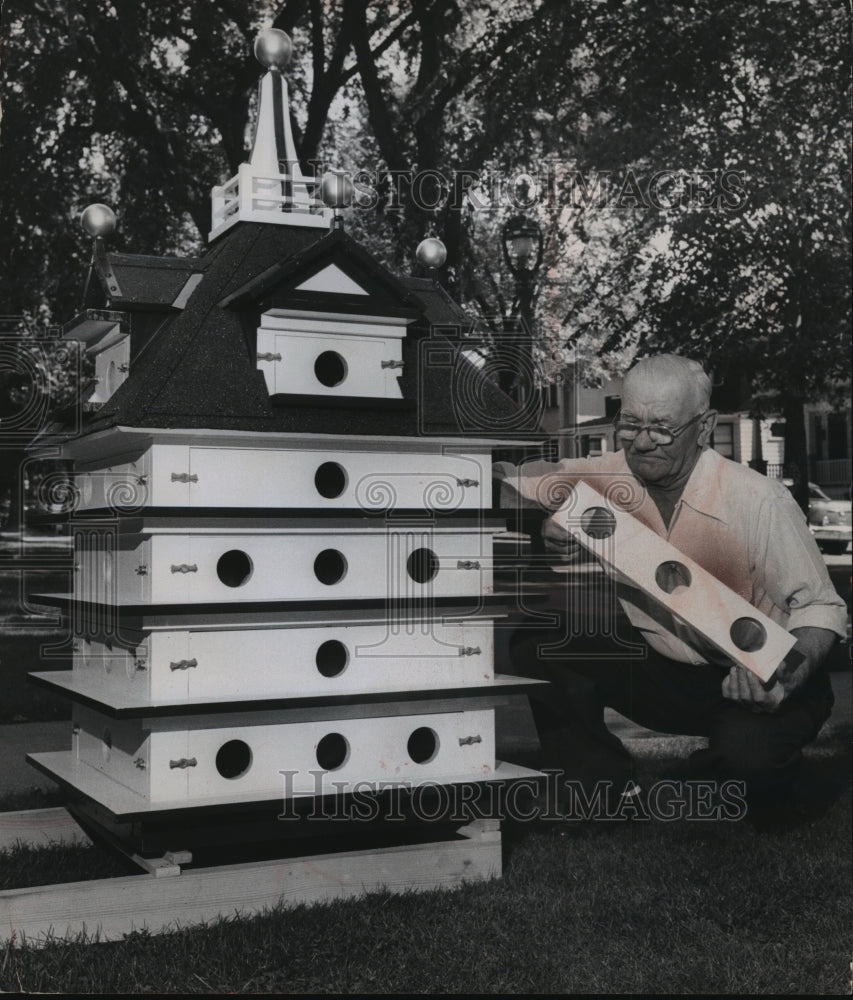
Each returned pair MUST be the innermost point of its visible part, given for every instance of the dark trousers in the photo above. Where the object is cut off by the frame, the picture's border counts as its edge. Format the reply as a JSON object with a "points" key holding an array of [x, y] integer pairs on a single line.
{"points": [[762, 749]]}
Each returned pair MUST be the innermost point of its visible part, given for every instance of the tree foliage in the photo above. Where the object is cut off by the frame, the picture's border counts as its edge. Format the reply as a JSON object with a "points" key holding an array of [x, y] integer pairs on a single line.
{"points": [[145, 105]]}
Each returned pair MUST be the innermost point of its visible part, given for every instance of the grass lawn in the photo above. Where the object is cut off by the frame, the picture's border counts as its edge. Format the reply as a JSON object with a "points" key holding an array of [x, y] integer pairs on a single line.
{"points": [[681, 907]]}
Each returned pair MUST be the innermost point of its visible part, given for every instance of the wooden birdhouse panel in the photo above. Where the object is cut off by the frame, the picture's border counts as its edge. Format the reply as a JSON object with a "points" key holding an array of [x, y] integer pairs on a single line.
{"points": [[112, 365], [126, 752], [289, 662], [696, 602], [252, 755], [320, 479], [155, 477], [155, 667], [290, 565], [377, 480], [111, 569], [319, 365], [348, 752]]}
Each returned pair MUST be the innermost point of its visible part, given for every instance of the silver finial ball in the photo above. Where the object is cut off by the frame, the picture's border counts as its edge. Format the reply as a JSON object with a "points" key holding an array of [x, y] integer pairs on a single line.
{"points": [[431, 252], [336, 189], [98, 220], [273, 48]]}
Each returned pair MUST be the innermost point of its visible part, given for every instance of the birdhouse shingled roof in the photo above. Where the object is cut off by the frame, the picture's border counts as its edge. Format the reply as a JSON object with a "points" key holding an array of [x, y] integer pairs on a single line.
{"points": [[198, 368]]}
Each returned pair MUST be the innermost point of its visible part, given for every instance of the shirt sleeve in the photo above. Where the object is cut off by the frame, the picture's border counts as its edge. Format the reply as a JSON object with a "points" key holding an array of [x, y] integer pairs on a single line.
{"points": [[539, 484], [794, 573]]}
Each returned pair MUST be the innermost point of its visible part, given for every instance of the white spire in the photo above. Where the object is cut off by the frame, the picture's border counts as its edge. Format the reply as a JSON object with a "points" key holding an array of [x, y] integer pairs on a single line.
{"points": [[271, 186]]}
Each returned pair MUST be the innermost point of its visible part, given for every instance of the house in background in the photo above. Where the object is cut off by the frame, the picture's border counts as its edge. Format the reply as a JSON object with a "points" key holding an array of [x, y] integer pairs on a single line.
{"points": [[829, 438], [579, 420]]}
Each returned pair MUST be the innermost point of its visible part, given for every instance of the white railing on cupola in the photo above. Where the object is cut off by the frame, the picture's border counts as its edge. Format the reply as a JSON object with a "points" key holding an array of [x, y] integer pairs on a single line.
{"points": [[261, 196], [261, 192]]}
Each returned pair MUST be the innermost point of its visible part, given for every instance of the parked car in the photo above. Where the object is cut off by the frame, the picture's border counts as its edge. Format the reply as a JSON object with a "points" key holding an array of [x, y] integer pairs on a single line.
{"points": [[829, 520]]}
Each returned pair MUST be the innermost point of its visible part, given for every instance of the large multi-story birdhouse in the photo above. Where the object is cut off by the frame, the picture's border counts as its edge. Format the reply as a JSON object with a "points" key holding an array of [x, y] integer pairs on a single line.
{"points": [[283, 584]]}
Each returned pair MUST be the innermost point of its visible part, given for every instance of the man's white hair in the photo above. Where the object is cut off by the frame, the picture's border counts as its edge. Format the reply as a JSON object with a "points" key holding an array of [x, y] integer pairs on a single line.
{"points": [[674, 367]]}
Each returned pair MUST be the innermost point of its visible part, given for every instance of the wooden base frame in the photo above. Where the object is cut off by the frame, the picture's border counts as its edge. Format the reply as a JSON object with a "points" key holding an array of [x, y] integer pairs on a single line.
{"points": [[153, 901]]}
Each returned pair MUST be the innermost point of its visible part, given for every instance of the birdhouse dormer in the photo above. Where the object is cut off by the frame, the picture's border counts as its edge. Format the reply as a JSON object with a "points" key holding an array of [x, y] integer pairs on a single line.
{"points": [[332, 325], [271, 186]]}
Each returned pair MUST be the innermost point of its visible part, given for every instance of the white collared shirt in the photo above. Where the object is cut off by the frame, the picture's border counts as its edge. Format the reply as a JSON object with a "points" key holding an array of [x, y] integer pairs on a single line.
{"points": [[745, 529]]}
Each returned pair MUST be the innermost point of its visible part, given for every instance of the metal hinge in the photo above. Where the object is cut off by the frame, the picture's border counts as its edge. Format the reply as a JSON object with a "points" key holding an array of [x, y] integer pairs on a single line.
{"points": [[184, 477], [467, 564], [139, 762], [466, 741], [468, 482], [183, 664], [124, 368], [141, 571], [185, 568], [141, 665], [184, 762], [141, 480], [268, 356], [469, 650], [392, 364]]}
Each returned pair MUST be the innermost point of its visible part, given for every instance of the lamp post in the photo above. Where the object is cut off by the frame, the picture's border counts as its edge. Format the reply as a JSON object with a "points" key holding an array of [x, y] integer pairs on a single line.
{"points": [[522, 243]]}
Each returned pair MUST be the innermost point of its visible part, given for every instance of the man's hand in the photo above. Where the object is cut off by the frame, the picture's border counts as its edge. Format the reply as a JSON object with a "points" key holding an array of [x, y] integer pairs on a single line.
{"points": [[742, 685], [558, 540]]}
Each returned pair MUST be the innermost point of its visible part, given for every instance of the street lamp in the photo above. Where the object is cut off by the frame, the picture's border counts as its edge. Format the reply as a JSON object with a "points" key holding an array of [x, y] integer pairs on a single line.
{"points": [[522, 243]]}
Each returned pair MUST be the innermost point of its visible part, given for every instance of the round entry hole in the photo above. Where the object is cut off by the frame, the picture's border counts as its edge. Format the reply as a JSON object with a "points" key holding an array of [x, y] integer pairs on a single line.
{"points": [[748, 634], [330, 480], [423, 745], [330, 567], [330, 369], [233, 759], [332, 658], [332, 751], [234, 568], [671, 575], [422, 565], [598, 522]]}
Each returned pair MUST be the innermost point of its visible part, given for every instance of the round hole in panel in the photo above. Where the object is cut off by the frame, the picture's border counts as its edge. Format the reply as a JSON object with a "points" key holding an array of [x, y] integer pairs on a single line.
{"points": [[332, 751], [234, 568], [330, 369], [748, 634], [332, 658], [330, 567], [330, 480], [423, 745], [598, 522], [671, 575], [233, 759], [422, 565]]}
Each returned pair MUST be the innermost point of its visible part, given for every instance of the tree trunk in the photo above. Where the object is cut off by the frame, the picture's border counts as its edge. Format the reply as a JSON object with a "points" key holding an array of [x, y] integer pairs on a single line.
{"points": [[796, 455]]}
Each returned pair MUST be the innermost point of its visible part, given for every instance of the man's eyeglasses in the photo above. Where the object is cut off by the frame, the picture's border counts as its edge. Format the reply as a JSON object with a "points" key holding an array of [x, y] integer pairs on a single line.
{"points": [[659, 433]]}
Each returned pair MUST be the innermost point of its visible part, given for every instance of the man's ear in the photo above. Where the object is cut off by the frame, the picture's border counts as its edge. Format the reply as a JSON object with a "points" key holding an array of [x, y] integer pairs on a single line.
{"points": [[708, 423]]}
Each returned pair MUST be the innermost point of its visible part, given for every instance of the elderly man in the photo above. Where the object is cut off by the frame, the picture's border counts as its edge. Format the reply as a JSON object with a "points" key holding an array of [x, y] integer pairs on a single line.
{"points": [[744, 529]]}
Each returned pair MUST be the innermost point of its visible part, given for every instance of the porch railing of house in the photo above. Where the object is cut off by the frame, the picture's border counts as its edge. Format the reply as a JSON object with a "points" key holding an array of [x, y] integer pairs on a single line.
{"points": [[831, 471]]}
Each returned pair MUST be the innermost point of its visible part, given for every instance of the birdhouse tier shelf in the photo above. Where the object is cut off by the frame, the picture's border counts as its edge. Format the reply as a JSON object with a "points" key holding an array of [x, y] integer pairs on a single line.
{"points": [[168, 760], [207, 564], [294, 660], [158, 470]]}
